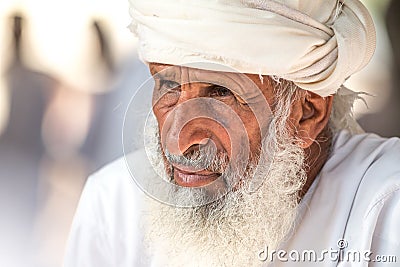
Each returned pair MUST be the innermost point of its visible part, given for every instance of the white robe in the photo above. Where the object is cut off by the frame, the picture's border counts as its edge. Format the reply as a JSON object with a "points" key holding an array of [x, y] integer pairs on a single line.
{"points": [[355, 199]]}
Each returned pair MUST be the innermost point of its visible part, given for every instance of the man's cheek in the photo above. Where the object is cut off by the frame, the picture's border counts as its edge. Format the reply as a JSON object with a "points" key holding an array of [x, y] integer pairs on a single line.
{"points": [[160, 114]]}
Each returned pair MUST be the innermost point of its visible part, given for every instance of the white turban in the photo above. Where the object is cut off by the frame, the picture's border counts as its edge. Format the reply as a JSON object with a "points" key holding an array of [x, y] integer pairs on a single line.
{"points": [[317, 44]]}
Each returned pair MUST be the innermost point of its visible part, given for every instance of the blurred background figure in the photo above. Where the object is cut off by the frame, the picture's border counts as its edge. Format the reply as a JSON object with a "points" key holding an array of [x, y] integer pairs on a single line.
{"points": [[21, 147], [82, 132], [64, 87], [384, 118], [67, 73]]}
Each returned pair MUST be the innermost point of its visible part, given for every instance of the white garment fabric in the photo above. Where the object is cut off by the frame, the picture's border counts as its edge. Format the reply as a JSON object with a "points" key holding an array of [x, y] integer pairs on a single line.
{"points": [[317, 44], [355, 198]]}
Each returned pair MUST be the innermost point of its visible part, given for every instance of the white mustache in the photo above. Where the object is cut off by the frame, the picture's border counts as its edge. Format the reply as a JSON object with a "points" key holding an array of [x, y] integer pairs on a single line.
{"points": [[202, 158]]}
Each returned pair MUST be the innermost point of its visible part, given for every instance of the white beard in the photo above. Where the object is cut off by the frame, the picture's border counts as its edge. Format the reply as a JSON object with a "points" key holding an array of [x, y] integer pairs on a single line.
{"points": [[233, 230]]}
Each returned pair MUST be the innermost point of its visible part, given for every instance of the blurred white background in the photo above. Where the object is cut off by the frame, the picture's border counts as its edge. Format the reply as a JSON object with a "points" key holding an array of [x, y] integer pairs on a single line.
{"points": [[67, 72]]}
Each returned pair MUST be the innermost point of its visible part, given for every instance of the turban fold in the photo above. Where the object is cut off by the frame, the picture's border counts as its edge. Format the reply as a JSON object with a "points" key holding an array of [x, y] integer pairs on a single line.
{"points": [[317, 44]]}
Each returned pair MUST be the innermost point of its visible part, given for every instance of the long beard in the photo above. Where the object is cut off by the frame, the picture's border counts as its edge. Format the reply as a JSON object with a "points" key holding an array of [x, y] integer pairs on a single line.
{"points": [[234, 229]]}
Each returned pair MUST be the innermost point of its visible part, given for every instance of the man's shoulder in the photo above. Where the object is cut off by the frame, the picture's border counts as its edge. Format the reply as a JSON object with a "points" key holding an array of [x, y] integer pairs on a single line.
{"points": [[381, 180], [376, 160], [362, 168], [116, 177], [369, 151], [374, 214], [371, 140], [107, 217], [109, 191], [117, 169], [358, 186]]}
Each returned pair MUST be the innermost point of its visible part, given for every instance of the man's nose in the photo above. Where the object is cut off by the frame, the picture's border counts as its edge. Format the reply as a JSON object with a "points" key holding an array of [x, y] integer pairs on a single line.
{"points": [[183, 130], [188, 125]]}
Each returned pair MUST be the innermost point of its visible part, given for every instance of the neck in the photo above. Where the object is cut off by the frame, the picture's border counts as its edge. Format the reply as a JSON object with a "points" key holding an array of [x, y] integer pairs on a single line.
{"points": [[317, 155]]}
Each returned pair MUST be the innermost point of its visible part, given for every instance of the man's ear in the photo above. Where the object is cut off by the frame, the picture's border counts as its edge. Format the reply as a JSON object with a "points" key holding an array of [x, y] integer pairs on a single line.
{"points": [[310, 115]]}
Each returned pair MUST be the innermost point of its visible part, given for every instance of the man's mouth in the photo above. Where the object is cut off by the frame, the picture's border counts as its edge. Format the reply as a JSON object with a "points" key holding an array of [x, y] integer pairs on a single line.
{"points": [[189, 178]]}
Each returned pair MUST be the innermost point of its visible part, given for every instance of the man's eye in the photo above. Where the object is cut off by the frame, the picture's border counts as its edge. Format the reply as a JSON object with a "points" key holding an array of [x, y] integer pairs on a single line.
{"points": [[168, 92], [219, 91], [168, 85]]}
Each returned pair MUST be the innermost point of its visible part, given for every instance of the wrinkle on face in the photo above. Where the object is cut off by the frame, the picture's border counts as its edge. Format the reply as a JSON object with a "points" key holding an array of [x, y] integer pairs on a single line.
{"points": [[188, 111]]}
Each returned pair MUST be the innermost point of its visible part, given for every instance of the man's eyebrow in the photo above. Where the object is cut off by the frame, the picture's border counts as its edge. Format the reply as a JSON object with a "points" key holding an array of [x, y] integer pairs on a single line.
{"points": [[213, 85], [165, 74]]}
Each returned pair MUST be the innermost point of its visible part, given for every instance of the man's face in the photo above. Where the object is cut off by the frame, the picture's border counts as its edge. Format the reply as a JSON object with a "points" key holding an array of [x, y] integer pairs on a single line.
{"points": [[216, 133], [221, 113]]}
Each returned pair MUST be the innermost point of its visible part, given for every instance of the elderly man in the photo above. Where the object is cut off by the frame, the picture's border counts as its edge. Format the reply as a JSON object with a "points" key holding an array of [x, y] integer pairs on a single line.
{"points": [[251, 154]]}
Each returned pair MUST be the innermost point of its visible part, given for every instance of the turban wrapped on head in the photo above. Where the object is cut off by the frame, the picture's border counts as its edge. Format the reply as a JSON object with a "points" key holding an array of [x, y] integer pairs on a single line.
{"points": [[317, 44]]}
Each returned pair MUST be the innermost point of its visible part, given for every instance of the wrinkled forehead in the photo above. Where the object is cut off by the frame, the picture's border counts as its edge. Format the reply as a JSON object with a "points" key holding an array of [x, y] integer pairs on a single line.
{"points": [[240, 83]]}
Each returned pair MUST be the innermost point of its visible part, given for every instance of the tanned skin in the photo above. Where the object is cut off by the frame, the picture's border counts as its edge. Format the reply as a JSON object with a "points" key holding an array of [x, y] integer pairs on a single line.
{"points": [[308, 121]]}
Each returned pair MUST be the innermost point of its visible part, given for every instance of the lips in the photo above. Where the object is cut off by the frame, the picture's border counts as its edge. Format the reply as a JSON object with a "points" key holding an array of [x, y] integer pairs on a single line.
{"points": [[187, 178]]}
